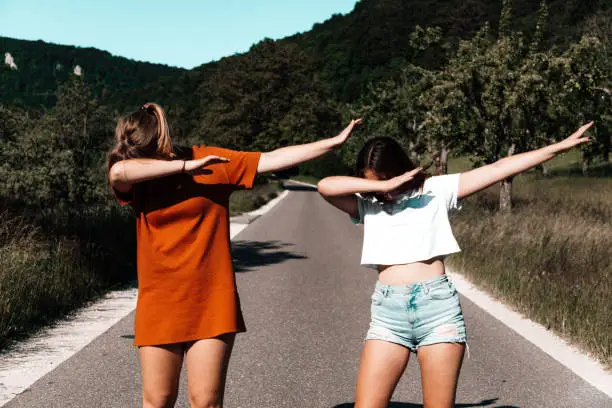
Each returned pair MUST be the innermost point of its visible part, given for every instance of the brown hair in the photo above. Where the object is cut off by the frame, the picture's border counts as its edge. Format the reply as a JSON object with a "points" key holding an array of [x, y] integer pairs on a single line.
{"points": [[386, 157], [143, 133]]}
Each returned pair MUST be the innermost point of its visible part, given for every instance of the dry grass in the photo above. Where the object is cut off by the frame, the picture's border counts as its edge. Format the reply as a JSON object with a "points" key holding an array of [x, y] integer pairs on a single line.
{"points": [[43, 277], [550, 259]]}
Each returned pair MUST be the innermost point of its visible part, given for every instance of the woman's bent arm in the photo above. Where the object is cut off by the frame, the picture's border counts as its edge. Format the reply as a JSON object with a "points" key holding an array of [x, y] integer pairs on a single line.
{"points": [[478, 179], [344, 185], [340, 191], [125, 173]]}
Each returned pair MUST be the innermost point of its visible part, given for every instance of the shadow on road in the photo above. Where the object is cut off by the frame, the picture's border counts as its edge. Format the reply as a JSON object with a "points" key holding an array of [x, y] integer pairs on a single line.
{"points": [[249, 255], [483, 403]]}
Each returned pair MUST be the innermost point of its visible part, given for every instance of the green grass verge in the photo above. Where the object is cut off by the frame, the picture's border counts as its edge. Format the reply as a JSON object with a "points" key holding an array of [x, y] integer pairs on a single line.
{"points": [[248, 200], [43, 277]]}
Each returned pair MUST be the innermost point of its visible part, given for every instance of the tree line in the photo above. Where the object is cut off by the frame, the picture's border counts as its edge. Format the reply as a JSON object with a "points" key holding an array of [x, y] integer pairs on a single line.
{"points": [[498, 95], [495, 94]]}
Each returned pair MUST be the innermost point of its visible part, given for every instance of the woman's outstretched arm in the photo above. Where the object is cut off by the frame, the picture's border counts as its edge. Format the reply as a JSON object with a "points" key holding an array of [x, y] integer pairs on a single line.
{"points": [[124, 174], [290, 156], [478, 179]]}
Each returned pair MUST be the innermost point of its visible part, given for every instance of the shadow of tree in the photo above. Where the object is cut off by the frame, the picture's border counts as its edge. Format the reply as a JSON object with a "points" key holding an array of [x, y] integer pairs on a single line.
{"points": [[483, 403], [249, 255]]}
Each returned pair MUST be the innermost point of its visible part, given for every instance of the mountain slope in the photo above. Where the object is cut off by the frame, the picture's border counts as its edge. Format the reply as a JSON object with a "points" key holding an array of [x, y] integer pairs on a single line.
{"points": [[38, 67]]}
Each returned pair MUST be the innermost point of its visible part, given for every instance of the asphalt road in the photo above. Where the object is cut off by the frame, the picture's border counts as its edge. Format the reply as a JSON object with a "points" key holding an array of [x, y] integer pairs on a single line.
{"points": [[306, 303]]}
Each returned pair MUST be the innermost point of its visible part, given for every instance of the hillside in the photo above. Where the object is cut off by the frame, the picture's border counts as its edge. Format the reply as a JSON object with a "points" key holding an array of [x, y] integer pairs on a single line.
{"points": [[344, 55], [372, 41], [31, 71]]}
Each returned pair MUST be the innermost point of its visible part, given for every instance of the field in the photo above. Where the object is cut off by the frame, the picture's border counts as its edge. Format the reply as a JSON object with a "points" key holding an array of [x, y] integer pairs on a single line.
{"points": [[551, 258]]}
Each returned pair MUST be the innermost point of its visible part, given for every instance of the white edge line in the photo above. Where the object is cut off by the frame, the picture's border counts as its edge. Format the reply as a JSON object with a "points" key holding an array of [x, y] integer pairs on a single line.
{"points": [[268, 206], [587, 368], [28, 361]]}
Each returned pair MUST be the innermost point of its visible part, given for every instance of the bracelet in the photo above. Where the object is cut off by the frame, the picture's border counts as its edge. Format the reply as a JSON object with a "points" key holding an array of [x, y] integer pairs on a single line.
{"points": [[183, 169]]}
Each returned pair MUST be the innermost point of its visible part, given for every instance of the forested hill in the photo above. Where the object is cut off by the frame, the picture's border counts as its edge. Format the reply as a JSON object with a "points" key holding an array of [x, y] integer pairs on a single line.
{"points": [[372, 41], [315, 71], [343, 55], [30, 72], [347, 51]]}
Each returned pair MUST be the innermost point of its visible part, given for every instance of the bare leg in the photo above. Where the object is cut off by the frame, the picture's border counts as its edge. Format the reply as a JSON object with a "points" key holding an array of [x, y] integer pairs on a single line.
{"points": [[207, 362], [161, 369], [382, 365], [440, 365]]}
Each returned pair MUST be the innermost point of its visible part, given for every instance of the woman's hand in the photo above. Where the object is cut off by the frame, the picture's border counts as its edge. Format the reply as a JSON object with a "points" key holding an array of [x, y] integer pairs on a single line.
{"points": [[480, 178], [392, 184], [574, 140], [346, 133], [196, 167]]}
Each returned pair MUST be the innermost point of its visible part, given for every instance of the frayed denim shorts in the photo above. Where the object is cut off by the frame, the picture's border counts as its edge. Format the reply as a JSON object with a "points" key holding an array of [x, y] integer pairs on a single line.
{"points": [[416, 315]]}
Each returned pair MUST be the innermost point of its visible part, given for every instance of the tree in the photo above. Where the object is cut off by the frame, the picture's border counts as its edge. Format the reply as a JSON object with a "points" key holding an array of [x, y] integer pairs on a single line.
{"points": [[583, 72], [502, 97], [600, 26], [12, 122], [395, 107], [264, 99], [56, 164], [505, 19], [541, 27]]}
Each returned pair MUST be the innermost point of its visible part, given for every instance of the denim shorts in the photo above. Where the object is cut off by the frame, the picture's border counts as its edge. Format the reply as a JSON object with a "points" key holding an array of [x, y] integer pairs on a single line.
{"points": [[416, 315]]}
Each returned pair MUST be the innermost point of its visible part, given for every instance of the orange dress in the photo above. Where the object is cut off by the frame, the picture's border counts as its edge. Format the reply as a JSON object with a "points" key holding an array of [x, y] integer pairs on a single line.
{"points": [[186, 283]]}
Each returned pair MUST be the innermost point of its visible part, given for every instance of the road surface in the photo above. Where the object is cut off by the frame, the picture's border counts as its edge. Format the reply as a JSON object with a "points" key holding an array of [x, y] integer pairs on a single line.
{"points": [[306, 303]]}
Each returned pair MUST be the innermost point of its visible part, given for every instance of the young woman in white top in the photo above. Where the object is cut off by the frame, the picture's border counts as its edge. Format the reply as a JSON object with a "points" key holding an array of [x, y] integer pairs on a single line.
{"points": [[406, 236]]}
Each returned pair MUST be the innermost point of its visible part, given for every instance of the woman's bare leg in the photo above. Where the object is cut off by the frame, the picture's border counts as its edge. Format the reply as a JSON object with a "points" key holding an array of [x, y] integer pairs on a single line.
{"points": [[382, 365], [207, 362], [440, 365], [161, 370]]}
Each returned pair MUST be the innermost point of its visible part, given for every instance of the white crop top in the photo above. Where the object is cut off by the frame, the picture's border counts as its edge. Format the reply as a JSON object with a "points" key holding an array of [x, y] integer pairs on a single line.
{"points": [[414, 227]]}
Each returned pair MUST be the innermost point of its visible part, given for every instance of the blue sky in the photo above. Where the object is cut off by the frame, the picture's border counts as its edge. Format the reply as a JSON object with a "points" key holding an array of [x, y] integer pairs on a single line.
{"points": [[180, 33]]}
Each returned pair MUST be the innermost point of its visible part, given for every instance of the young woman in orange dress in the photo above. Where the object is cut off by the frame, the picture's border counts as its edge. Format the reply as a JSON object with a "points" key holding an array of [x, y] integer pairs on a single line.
{"points": [[188, 306]]}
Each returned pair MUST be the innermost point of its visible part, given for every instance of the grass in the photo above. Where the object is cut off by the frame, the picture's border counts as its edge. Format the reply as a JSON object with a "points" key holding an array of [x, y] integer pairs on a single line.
{"points": [[248, 200], [43, 277], [550, 259]]}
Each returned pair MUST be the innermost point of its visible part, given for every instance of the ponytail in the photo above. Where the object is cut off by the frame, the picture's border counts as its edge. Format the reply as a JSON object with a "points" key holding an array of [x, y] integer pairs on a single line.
{"points": [[144, 133]]}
